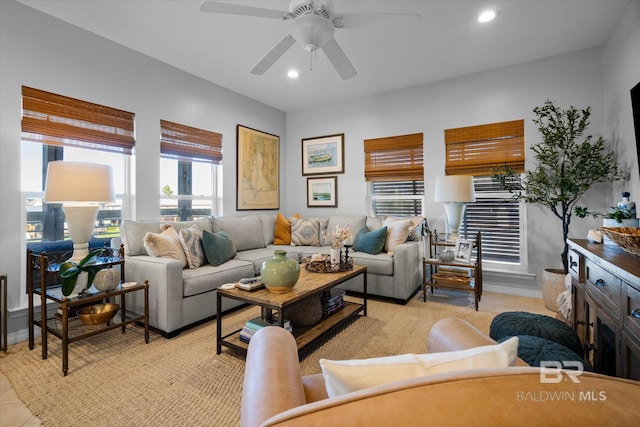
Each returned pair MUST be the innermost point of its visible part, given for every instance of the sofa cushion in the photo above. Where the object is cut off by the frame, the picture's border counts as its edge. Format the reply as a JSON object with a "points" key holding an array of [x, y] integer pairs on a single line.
{"points": [[380, 264], [245, 231], [133, 232], [371, 242], [191, 242], [305, 232], [218, 247], [208, 277], [355, 223], [398, 231], [268, 223], [345, 376], [282, 229], [165, 244]]}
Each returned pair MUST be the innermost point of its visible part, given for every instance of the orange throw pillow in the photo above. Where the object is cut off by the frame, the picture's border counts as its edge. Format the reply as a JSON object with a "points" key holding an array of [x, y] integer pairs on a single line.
{"points": [[282, 232]]}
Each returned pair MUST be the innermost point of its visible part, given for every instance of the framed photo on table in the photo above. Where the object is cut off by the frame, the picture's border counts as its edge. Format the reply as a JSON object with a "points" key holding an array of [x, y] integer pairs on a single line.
{"points": [[258, 171], [463, 250], [323, 155], [322, 192]]}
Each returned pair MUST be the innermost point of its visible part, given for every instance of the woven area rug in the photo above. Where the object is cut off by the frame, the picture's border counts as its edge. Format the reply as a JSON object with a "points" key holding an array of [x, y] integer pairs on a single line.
{"points": [[116, 379]]}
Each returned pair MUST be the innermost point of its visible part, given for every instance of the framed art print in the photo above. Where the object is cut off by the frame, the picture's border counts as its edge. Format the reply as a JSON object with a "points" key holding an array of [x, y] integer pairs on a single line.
{"points": [[463, 250], [323, 155], [258, 170], [322, 192]]}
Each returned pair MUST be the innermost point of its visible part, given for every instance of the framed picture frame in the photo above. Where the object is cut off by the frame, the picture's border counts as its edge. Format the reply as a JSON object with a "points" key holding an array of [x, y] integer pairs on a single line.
{"points": [[323, 155], [462, 251], [258, 170], [322, 192]]}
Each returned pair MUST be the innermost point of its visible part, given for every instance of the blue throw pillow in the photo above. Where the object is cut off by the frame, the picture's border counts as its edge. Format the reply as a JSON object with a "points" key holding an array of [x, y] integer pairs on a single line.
{"points": [[218, 247], [370, 242]]}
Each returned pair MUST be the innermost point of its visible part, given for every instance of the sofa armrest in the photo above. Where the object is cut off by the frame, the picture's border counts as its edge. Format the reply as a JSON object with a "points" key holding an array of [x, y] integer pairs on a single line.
{"points": [[272, 381], [165, 289], [407, 264]]}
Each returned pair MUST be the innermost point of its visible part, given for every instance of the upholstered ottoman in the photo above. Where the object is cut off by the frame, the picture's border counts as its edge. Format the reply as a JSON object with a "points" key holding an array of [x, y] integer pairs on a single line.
{"points": [[533, 350], [512, 323]]}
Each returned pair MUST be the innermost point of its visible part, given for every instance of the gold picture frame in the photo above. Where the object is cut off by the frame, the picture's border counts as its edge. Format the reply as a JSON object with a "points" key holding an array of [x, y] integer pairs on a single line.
{"points": [[258, 170], [322, 192], [323, 155]]}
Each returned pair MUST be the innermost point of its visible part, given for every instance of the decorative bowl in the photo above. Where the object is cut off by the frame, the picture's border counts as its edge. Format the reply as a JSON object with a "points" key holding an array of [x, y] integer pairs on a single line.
{"points": [[98, 314], [628, 238]]}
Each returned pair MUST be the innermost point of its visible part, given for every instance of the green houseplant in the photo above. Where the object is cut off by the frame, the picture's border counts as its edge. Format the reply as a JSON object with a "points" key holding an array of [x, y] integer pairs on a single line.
{"points": [[567, 165], [70, 271]]}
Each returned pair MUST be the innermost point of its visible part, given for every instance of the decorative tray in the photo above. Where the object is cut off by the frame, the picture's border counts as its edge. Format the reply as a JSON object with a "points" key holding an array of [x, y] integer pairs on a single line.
{"points": [[325, 266]]}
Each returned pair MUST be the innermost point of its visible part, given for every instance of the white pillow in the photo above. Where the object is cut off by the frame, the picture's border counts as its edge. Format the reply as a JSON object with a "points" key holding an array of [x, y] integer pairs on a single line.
{"points": [[398, 231], [346, 376], [165, 245], [191, 242]]}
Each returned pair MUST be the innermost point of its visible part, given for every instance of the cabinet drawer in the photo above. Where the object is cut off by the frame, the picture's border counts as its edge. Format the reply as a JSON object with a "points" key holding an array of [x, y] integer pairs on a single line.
{"points": [[576, 261], [632, 310], [604, 286]]}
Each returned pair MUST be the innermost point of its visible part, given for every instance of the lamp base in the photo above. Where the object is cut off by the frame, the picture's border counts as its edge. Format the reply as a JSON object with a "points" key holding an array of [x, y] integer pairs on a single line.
{"points": [[80, 220], [454, 212]]}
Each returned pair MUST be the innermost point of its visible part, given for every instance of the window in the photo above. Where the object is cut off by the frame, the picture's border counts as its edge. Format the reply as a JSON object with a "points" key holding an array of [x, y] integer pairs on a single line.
{"points": [[191, 176], [56, 127], [394, 171], [476, 150]]}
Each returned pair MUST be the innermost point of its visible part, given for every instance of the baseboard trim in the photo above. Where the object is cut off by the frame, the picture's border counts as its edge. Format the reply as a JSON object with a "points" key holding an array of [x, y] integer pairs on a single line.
{"points": [[520, 292]]}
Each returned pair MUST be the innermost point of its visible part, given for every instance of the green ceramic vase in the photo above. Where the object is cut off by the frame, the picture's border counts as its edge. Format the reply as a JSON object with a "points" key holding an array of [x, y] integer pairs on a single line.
{"points": [[280, 274]]}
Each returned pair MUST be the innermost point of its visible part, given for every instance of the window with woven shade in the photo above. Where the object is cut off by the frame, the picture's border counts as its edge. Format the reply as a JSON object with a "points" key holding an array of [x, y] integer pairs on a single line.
{"points": [[394, 171], [58, 127], [477, 150], [189, 171]]}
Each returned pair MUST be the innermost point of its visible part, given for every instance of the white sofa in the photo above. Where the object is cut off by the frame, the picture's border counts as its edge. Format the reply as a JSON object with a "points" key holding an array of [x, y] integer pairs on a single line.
{"points": [[181, 297]]}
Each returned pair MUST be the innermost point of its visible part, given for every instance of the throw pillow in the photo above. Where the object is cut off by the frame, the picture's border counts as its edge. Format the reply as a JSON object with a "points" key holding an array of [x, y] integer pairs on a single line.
{"points": [[165, 244], [371, 242], [305, 232], [282, 231], [218, 247], [191, 242], [346, 376], [398, 231]]}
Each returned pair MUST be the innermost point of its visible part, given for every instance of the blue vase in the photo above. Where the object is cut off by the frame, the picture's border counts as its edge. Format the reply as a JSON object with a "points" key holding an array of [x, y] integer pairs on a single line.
{"points": [[280, 274]]}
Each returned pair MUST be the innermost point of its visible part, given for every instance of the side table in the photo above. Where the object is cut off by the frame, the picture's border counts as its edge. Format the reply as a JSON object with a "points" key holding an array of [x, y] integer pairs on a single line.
{"points": [[3, 309]]}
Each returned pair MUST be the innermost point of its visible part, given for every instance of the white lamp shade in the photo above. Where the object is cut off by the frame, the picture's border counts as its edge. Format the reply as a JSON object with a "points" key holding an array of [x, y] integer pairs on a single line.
{"points": [[78, 182], [454, 188]]}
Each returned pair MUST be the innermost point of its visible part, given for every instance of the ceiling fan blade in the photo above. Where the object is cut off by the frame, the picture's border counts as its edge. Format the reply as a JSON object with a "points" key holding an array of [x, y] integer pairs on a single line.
{"points": [[359, 20], [236, 9], [273, 55], [339, 60]]}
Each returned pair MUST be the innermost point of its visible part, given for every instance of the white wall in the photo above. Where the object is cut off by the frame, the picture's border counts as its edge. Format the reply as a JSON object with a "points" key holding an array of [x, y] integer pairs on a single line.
{"points": [[500, 95], [57, 57]]}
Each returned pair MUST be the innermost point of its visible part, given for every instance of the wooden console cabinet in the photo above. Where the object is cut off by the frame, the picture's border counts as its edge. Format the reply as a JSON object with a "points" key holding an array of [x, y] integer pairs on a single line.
{"points": [[606, 306]]}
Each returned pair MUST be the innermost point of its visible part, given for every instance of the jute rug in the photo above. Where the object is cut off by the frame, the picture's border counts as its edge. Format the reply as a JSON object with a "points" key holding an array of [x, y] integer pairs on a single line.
{"points": [[116, 379]]}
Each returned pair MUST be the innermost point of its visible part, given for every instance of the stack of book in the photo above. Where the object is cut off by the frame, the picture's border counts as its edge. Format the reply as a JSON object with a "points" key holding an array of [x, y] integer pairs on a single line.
{"points": [[332, 301], [258, 323]]}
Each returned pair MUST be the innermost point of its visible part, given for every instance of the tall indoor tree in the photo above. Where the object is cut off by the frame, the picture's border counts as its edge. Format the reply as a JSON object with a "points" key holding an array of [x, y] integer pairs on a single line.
{"points": [[567, 165]]}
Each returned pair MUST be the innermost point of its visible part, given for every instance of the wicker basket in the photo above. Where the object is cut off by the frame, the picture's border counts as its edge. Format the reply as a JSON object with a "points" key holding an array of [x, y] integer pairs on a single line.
{"points": [[628, 238]]}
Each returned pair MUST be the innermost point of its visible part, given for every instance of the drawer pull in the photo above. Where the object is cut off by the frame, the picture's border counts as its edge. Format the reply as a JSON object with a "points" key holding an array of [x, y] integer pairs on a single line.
{"points": [[600, 283], [636, 313], [573, 264]]}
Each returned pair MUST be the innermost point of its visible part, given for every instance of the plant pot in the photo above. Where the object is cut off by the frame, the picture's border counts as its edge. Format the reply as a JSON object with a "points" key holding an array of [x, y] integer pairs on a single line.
{"points": [[552, 286], [81, 285], [280, 274], [610, 222]]}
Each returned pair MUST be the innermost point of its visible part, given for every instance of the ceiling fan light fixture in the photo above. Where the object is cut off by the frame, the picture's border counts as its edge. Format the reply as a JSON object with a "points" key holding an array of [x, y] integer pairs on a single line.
{"points": [[312, 31]]}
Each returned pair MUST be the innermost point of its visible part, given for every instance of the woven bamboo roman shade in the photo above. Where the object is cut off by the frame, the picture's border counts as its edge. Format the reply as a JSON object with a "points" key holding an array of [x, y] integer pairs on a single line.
{"points": [[476, 150], [185, 141], [54, 119], [394, 158]]}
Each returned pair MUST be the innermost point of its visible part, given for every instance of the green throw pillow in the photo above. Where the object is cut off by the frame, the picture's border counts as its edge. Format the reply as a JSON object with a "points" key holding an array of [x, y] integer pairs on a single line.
{"points": [[370, 242], [218, 247]]}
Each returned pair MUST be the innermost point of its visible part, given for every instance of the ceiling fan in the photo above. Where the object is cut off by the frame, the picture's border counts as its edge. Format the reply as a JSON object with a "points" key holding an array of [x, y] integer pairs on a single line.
{"points": [[312, 25]]}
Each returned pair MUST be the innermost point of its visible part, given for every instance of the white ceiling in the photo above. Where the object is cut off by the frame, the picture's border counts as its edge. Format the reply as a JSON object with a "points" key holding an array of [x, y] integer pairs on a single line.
{"points": [[388, 55]]}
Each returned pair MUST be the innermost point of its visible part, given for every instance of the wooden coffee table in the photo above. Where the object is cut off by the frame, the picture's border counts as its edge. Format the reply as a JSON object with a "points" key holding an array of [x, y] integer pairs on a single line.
{"points": [[308, 284]]}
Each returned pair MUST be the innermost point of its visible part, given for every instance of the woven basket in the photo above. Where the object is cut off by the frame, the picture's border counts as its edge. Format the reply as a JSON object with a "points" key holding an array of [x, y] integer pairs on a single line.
{"points": [[628, 238]]}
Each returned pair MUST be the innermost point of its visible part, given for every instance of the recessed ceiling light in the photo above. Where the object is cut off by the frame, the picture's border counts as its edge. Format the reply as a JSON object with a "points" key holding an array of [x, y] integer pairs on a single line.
{"points": [[293, 74], [486, 16]]}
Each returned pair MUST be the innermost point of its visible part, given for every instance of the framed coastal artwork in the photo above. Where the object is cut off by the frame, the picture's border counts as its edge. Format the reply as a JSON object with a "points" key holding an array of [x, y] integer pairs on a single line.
{"points": [[258, 169], [322, 192], [323, 155]]}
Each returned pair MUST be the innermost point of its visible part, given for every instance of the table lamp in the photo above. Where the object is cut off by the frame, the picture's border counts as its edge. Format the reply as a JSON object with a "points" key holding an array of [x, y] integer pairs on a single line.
{"points": [[80, 187], [455, 191]]}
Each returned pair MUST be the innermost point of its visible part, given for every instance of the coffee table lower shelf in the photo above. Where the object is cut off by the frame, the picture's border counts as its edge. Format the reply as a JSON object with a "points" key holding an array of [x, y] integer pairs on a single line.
{"points": [[305, 335]]}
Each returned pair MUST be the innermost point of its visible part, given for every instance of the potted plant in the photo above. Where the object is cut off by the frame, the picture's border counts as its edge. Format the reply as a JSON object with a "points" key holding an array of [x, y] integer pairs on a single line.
{"points": [[618, 216], [70, 271], [567, 165]]}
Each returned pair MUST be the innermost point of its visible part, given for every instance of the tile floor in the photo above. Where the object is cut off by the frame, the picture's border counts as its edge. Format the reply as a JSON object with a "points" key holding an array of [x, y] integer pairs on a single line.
{"points": [[13, 413]]}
